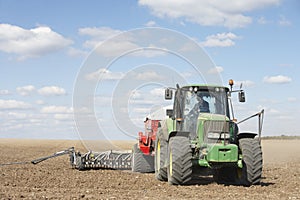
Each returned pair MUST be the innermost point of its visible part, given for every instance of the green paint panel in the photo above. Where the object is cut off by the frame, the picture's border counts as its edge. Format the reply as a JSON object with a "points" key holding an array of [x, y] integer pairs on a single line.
{"points": [[223, 153]]}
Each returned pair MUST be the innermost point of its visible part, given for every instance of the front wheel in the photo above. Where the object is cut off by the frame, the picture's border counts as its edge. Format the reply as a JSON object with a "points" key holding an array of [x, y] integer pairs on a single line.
{"points": [[180, 161], [252, 161]]}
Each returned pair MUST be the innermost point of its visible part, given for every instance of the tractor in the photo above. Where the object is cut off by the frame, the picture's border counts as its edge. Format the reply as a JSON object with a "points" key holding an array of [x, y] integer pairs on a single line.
{"points": [[200, 132]]}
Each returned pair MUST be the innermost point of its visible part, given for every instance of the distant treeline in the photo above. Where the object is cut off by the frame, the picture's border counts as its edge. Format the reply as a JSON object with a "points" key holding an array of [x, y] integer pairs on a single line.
{"points": [[281, 137]]}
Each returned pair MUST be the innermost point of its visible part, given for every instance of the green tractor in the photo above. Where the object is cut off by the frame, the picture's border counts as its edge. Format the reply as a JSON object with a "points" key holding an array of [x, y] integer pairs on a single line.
{"points": [[201, 132]]}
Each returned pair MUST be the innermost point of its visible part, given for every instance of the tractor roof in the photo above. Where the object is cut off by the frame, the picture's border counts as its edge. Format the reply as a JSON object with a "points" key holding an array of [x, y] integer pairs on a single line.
{"points": [[205, 87]]}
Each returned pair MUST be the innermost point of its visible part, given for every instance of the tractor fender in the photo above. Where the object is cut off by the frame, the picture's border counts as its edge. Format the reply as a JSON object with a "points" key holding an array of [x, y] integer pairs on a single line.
{"points": [[179, 134], [246, 135], [164, 130]]}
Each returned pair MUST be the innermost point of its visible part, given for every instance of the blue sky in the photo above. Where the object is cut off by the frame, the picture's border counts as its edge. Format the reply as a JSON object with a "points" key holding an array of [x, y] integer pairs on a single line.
{"points": [[45, 44]]}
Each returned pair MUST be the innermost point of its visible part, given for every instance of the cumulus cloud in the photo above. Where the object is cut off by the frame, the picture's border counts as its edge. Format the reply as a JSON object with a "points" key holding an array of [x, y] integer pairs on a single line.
{"points": [[216, 70], [150, 24], [220, 40], [283, 21], [4, 92], [280, 79], [208, 13], [56, 110], [97, 34], [158, 92], [245, 83], [149, 75], [13, 104], [262, 20], [73, 52], [34, 42], [25, 90], [104, 74], [52, 91], [63, 117], [116, 46], [17, 115], [39, 102], [292, 99]]}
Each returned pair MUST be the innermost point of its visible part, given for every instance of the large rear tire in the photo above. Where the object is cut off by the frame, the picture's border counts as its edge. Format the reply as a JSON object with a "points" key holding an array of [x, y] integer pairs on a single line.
{"points": [[180, 161], [161, 148], [140, 162], [251, 172]]}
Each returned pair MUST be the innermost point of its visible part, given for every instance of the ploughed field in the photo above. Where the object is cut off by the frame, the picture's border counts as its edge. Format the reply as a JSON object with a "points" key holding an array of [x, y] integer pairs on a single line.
{"points": [[55, 179]]}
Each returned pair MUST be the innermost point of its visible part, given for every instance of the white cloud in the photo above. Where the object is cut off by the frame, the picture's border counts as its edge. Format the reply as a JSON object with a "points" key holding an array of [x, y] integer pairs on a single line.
{"points": [[208, 13], [135, 94], [157, 92], [98, 34], [280, 79], [117, 47], [111, 46], [292, 99], [151, 24], [286, 65], [25, 90], [149, 75], [220, 40], [104, 74], [52, 91], [283, 21], [245, 83], [76, 52], [39, 102], [57, 110], [4, 92], [17, 115], [13, 104], [63, 117], [262, 20], [273, 111], [30, 42], [216, 70]]}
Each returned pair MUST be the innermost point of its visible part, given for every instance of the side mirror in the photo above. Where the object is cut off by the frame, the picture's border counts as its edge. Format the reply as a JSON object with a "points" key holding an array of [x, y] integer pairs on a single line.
{"points": [[168, 94], [242, 96], [169, 113]]}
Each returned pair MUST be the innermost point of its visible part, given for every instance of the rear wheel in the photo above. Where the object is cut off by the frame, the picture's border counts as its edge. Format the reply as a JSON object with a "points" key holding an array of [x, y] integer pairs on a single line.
{"points": [[251, 172], [79, 165], [161, 148], [180, 161], [140, 162]]}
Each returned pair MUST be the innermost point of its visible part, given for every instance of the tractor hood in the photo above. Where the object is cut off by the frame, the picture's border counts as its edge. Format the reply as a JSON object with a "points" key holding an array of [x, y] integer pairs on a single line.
{"points": [[212, 117]]}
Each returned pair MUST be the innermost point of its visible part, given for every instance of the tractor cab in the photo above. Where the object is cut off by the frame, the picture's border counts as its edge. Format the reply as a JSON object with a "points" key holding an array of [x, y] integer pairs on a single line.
{"points": [[198, 103]]}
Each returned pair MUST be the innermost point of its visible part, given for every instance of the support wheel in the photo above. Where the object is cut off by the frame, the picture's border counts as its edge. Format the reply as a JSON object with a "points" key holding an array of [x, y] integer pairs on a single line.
{"points": [[140, 162], [79, 165]]}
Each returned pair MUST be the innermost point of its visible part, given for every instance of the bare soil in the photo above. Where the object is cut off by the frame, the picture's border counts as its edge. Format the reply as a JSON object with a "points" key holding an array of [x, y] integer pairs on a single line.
{"points": [[55, 179]]}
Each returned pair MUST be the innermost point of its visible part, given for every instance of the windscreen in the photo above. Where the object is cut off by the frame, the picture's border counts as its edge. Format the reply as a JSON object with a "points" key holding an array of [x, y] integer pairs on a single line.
{"points": [[205, 101], [202, 101]]}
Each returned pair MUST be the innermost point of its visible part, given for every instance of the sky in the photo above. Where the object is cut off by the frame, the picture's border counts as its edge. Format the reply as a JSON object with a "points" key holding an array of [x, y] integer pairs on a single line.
{"points": [[58, 58]]}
